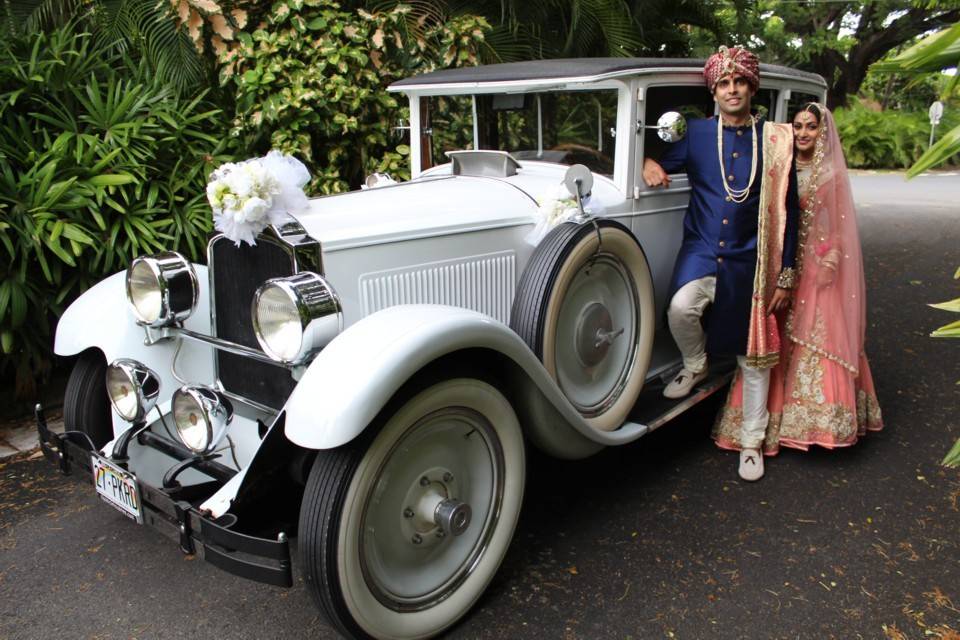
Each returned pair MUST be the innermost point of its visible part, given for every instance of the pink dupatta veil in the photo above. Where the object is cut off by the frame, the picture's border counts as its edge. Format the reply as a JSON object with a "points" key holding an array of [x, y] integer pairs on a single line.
{"points": [[829, 305]]}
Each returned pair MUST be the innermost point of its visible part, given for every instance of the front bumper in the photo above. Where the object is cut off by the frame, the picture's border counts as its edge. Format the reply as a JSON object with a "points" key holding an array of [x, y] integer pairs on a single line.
{"points": [[173, 513]]}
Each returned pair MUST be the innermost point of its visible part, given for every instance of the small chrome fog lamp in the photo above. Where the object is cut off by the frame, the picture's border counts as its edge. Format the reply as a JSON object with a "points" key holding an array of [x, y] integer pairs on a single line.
{"points": [[162, 288], [133, 389], [201, 415], [296, 316]]}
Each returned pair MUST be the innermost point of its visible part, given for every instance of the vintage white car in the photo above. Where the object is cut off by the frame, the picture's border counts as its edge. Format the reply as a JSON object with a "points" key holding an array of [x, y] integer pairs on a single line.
{"points": [[366, 378]]}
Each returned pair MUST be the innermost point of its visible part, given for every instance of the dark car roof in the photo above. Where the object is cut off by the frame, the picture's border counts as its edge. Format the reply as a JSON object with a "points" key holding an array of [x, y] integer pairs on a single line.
{"points": [[583, 69]]}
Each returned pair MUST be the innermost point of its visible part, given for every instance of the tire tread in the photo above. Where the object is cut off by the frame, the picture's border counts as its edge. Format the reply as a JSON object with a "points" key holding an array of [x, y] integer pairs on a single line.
{"points": [[86, 406], [324, 496]]}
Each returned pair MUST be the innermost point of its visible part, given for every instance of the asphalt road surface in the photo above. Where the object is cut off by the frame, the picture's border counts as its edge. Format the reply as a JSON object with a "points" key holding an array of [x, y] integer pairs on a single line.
{"points": [[655, 539]]}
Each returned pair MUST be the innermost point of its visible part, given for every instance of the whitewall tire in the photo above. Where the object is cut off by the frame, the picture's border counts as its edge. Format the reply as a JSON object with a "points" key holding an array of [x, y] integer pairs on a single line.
{"points": [[585, 307], [401, 533]]}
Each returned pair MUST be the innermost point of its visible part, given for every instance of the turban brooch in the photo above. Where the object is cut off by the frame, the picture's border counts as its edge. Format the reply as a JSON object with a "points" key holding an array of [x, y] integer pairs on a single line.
{"points": [[731, 60]]}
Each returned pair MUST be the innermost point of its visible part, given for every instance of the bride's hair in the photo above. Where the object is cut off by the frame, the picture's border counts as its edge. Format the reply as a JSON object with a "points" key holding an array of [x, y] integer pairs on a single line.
{"points": [[814, 108]]}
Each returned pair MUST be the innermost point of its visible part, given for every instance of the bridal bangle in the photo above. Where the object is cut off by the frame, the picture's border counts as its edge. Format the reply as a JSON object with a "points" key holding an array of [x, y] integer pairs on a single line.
{"points": [[787, 278]]}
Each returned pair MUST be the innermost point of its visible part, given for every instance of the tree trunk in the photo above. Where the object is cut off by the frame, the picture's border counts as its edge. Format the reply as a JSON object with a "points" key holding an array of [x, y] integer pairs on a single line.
{"points": [[887, 90]]}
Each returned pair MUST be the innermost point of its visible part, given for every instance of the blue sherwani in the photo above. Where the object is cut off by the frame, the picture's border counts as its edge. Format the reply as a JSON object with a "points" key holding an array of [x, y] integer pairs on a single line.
{"points": [[719, 235]]}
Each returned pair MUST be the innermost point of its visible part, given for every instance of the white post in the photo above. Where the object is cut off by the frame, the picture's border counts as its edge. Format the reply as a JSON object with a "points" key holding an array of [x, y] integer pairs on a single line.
{"points": [[414, 136], [936, 112], [539, 128], [476, 125], [599, 127]]}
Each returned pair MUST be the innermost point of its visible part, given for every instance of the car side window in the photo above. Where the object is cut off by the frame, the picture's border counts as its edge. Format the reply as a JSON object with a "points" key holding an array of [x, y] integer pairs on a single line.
{"points": [[575, 127], [764, 104], [690, 101], [451, 125]]}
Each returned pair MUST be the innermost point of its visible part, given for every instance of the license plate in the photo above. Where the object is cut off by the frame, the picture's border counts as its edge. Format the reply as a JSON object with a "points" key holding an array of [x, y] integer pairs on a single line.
{"points": [[118, 488]]}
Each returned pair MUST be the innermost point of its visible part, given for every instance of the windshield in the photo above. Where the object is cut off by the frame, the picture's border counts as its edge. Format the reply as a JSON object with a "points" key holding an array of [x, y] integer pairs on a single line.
{"points": [[569, 127]]}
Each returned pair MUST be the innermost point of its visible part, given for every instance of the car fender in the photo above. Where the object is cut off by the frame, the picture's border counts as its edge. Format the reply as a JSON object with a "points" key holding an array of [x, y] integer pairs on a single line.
{"points": [[101, 318], [353, 378]]}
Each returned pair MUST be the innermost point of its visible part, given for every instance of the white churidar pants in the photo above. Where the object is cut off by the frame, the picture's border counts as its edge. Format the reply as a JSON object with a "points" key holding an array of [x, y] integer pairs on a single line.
{"points": [[683, 316]]}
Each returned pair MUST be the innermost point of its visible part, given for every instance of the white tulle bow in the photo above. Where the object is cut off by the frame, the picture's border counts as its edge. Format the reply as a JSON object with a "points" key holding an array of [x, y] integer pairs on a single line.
{"points": [[247, 196], [555, 208]]}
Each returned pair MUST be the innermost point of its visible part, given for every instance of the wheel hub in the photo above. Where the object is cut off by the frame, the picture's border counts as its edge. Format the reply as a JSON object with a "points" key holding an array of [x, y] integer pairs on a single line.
{"points": [[596, 326], [594, 334], [431, 510]]}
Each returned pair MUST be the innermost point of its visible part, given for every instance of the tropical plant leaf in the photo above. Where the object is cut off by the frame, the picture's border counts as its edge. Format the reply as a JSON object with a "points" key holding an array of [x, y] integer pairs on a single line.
{"points": [[943, 149], [933, 53], [951, 330], [952, 459], [950, 305]]}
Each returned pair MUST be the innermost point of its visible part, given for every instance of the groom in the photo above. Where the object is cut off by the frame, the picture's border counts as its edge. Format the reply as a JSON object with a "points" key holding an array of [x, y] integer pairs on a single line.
{"points": [[742, 206]]}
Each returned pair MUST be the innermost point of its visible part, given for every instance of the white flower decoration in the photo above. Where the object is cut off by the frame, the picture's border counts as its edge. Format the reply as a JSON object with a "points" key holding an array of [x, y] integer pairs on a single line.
{"points": [[555, 208], [247, 196]]}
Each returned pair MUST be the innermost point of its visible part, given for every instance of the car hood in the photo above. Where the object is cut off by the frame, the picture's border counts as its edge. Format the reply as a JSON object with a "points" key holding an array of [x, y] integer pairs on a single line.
{"points": [[438, 203]]}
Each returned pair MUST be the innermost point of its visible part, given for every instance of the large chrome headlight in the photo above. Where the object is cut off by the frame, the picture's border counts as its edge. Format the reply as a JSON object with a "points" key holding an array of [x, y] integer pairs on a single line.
{"points": [[133, 389], [201, 415], [162, 289], [296, 316]]}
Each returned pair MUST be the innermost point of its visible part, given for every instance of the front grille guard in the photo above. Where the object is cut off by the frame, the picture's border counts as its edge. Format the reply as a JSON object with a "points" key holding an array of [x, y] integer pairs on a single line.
{"points": [[234, 376], [173, 512]]}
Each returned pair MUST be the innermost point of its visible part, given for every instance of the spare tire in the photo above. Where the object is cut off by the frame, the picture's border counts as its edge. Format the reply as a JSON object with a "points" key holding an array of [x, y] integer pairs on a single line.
{"points": [[585, 307]]}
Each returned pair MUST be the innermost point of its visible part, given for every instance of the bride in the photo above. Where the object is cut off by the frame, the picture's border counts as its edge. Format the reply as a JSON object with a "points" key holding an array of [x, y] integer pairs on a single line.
{"points": [[822, 392]]}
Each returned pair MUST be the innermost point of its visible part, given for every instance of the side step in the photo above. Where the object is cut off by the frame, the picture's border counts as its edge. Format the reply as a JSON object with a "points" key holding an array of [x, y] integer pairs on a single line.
{"points": [[652, 410]]}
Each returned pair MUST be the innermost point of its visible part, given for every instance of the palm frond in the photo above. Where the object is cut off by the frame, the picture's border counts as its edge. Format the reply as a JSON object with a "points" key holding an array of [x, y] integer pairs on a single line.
{"points": [[613, 28], [52, 13], [168, 48]]}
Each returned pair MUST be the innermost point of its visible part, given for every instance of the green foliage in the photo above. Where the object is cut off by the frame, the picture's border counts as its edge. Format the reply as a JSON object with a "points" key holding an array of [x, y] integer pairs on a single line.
{"points": [[312, 83], [99, 162], [142, 29], [838, 40], [935, 52], [886, 139], [951, 330]]}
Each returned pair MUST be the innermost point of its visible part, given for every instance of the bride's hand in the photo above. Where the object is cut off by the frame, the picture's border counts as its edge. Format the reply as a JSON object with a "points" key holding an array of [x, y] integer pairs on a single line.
{"points": [[779, 300]]}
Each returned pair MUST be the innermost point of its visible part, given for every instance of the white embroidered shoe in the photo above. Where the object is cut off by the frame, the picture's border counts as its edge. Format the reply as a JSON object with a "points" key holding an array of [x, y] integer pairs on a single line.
{"points": [[751, 465], [683, 383]]}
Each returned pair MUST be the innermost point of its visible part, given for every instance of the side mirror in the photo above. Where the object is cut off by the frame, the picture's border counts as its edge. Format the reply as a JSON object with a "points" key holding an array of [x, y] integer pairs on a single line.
{"points": [[579, 181], [671, 127]]}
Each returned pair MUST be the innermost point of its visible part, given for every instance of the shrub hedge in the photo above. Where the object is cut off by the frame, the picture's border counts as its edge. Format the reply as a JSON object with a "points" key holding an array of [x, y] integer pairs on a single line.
{"points": [[98, 163], [887, 139]]}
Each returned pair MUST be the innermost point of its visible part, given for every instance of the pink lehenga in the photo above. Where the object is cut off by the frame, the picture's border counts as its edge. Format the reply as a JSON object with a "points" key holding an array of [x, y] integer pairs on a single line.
{"points": [[821, 391]]}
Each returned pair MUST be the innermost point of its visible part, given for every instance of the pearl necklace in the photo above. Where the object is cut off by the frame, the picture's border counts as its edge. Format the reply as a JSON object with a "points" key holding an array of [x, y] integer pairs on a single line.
{"points": [[737, 195]]}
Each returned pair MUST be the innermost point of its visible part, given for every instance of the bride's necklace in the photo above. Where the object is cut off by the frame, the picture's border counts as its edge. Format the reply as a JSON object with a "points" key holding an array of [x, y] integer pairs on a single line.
{"points": [[737, 195]]}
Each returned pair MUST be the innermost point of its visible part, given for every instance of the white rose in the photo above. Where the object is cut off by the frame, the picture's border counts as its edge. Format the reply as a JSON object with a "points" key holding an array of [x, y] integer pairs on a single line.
{"points": [[254, 209], [239, 183]]}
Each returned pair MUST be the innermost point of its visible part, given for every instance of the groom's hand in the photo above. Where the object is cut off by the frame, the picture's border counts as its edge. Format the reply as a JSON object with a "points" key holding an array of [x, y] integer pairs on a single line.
{"points": [[653, 174], [780, 300]]}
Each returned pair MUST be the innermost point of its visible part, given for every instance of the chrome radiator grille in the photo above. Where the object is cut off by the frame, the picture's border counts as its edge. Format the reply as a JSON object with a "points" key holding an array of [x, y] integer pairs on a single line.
{"points": [[236, 273]]}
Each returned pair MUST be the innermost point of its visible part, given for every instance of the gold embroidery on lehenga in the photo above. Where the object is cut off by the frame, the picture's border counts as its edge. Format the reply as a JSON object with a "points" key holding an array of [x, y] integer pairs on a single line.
{"points": [[807, 423], [868, 412], [815, 343], [729, 424], [809, 377], [809, 414]]}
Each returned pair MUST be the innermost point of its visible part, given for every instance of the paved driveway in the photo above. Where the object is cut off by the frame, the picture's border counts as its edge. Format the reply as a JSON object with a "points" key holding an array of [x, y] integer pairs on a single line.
{"points": [[655, 539]]}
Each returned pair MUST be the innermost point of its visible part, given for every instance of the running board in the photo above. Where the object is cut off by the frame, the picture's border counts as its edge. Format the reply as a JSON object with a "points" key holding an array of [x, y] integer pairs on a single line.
{"points": [[652, 410]]}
